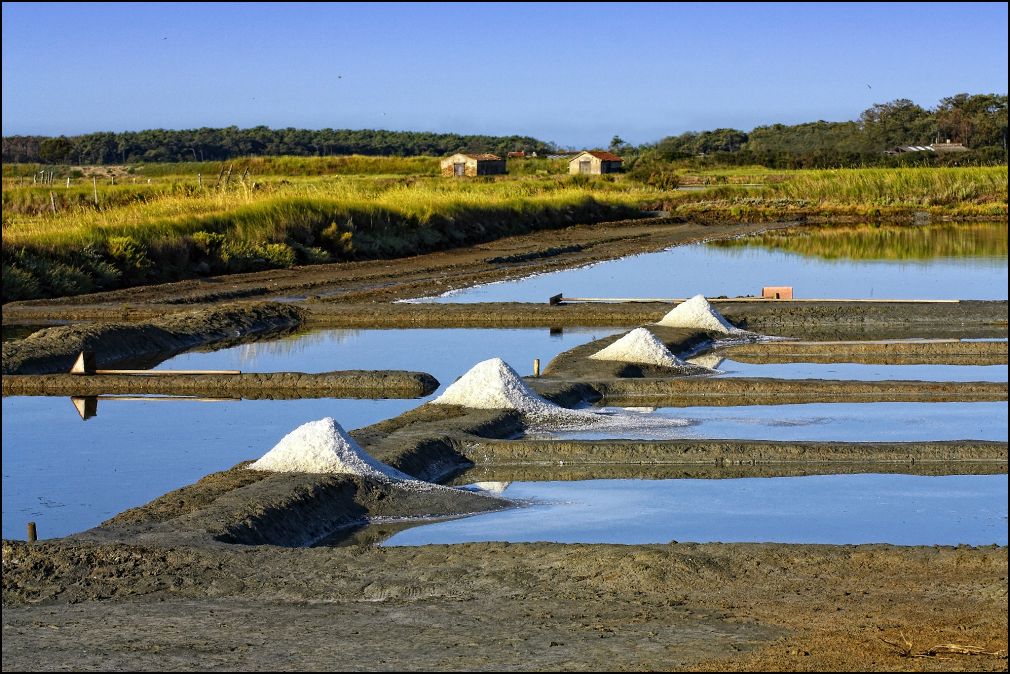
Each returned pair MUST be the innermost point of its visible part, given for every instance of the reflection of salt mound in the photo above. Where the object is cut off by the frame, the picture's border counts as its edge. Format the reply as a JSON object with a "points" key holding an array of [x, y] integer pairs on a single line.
{"points": [[709, 360], [639, 346], [496, 488], [697, 313], [324, 447], [494, 385]]}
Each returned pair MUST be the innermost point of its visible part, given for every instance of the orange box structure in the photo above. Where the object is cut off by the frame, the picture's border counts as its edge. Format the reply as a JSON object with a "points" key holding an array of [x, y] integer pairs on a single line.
{"points": [[777, 292]]}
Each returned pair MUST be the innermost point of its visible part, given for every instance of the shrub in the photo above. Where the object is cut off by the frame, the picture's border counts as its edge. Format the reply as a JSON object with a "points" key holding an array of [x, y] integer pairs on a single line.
{"points": [[19, 284], [128, 255]]}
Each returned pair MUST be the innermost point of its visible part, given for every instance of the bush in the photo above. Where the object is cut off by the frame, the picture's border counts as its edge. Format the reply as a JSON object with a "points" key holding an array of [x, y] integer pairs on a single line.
{"points": [[19, 284], [129, 256], [279, 255]]}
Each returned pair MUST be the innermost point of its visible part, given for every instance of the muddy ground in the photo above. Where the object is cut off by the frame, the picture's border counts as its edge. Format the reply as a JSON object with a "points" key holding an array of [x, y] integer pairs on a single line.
{"points": [[499, 606], [187, 581]]}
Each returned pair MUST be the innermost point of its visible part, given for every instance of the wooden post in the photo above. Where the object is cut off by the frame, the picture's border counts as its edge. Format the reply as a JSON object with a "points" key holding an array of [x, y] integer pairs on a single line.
{"points": [[52, 202], [199, 180], [33, 535], [68, 181], [113, 178], [536, 367], [94, 185]]}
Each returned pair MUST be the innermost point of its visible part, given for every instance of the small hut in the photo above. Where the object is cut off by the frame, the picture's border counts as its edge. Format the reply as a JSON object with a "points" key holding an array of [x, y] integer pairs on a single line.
{"points": [[594, 162], [464, 164]]}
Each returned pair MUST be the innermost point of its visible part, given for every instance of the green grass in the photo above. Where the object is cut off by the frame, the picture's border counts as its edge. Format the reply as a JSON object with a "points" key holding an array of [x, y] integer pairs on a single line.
{"points": [[160, 223]]}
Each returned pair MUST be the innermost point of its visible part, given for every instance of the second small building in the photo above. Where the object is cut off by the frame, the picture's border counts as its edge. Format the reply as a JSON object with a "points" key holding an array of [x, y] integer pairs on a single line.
{"points": [[464, 164], [594, 162]]}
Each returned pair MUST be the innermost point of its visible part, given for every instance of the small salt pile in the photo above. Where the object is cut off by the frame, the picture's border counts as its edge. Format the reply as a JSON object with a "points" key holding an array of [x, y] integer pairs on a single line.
{"points": [[697, 313], [324, 447], [639, 346]]}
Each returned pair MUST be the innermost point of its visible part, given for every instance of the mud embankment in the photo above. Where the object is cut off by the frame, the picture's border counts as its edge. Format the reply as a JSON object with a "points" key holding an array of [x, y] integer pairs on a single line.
{"points": [[338, 384], [54, 350], [242, 506], [730, 452], [731, 391], [946, 352]]}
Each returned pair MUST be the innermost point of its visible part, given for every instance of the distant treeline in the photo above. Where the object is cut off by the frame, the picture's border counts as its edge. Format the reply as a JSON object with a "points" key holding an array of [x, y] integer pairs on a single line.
{"points": [[161, 145], [977, 121]]}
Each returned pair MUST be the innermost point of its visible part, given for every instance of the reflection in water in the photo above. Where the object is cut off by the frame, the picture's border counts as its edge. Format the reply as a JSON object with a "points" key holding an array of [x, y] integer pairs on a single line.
{"points": [[884, 242], [888, 262]]}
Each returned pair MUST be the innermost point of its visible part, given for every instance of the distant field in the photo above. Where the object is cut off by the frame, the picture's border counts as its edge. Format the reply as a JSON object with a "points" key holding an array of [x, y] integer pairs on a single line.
{"points": [[161, 222]]}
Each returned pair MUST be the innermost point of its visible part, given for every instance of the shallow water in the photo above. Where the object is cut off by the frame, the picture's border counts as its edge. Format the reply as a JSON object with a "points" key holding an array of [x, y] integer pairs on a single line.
{"points": [[841, 422], [444, 353], [862, 372], [69, 475], [980, 272], [826, 509]]}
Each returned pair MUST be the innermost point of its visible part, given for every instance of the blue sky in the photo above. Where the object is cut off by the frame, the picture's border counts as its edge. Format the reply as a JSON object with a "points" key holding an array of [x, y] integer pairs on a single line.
{"points": [[573, 73]]}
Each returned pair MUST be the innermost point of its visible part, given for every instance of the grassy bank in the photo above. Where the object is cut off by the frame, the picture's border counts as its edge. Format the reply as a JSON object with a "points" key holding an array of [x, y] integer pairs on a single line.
{"points": [[111, 228]]}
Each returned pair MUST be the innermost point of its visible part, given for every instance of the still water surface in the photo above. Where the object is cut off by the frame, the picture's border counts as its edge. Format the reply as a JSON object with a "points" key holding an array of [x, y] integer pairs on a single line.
{"points": [[827, 509], [877, 263], [68, 475]]}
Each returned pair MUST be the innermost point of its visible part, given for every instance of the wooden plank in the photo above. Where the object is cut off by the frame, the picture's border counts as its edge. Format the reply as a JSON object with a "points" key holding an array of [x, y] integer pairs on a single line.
{"points": [[713, 300]]}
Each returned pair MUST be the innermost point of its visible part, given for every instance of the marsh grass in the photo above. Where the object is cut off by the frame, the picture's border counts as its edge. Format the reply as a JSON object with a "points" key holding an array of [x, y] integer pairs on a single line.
{"points": [[298, 210]]}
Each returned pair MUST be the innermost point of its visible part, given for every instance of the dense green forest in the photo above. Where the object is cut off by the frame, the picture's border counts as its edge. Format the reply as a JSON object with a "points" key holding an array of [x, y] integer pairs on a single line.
{"points": [[979, 121], [160, 145]]}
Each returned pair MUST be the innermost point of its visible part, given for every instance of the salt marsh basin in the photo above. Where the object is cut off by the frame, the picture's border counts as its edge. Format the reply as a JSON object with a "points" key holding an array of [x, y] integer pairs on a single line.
{"points": [[819, 509]]}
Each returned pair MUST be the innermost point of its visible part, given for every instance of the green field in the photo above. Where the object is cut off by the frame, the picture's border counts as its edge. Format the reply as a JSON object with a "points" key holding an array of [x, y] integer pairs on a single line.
{"points": [[128, 225]]}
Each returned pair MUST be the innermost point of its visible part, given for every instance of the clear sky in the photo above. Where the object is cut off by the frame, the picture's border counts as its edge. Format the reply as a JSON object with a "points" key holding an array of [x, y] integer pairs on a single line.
{"points": [[573, 73]]}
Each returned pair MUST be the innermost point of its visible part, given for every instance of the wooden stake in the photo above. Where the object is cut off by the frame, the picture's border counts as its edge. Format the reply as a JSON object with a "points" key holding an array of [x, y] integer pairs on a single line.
{"points": [[199, 180], [68, 181], [52, 203], [94, 185], [32, 533], [536, 367]]}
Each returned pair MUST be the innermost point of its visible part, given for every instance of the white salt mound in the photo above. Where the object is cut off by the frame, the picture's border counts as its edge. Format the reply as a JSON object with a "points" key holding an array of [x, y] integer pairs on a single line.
{"points": [[639, 346], [697, 313], [493, 385], [324, 447]]}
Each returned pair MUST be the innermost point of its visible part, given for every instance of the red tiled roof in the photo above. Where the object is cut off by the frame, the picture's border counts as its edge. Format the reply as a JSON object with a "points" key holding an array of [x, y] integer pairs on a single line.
{"points": [[605, 156]]}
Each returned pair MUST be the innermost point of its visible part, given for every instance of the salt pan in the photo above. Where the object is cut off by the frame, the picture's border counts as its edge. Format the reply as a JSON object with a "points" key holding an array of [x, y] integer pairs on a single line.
{"points": [[639, 346], [698, 313]]}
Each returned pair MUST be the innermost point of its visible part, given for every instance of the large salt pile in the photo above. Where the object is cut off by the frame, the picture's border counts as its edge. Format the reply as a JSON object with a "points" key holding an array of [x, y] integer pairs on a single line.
{"points": [[324, 447], [493, 385], [639, 346], [697, 313]]}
